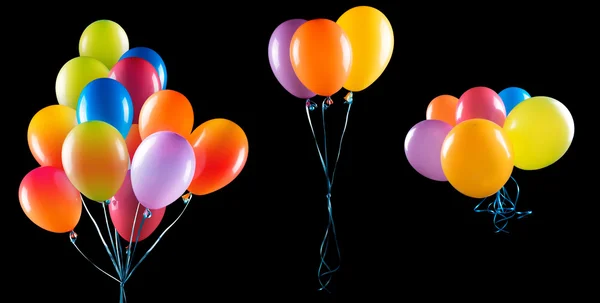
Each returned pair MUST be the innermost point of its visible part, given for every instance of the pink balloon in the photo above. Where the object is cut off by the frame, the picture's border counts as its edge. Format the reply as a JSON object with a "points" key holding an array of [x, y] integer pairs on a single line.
{"points": [[139, 78], [122, 211], [481, 103], [423, 148]]}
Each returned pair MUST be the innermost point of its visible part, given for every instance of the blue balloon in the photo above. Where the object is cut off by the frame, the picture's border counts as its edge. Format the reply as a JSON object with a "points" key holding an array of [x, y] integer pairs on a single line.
{"points": [[152, 57], [106, 100], [512, 96]]}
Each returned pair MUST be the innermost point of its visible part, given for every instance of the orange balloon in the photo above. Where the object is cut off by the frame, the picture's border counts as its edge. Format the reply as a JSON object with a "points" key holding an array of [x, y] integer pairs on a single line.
{"points": [[166, 110], [443, 108], [321, 56], [477, 158], [49, 200], [221, 149], [133, 140], [47, 132]]}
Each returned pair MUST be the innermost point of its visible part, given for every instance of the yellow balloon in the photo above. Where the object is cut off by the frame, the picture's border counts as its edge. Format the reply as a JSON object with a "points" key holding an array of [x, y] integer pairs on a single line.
{"points": [[95, 159], [74, 76], [541, 130], [104, 40], [372, 39]]}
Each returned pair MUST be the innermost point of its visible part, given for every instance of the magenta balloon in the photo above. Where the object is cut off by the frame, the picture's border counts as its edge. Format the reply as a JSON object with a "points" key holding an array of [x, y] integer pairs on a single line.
{"points": [[122, 210], [279, 58], [162, 169], [481, 103], [139, 78], [423, 148]]}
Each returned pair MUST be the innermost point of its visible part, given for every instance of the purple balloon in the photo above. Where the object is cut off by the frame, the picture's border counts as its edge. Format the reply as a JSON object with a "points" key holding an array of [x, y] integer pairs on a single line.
{"points": [[423, 148], [162, 169], [279, 58]]}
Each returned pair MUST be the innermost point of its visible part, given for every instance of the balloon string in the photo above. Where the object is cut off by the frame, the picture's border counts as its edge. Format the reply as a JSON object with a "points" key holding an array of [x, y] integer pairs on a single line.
{"points": [[73, 237], [186, 200], [113, 242], [130, 252], [121, 263], [94, 264], [503, 208], [325, 271]]}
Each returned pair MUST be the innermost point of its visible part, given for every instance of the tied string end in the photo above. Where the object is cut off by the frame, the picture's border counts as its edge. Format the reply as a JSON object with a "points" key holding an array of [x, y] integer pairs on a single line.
{"points": [[503, 208]]}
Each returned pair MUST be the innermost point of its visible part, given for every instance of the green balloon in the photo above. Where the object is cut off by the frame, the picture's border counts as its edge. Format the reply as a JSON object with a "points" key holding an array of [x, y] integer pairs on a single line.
{"points": [[74, 76], [104, 40]]}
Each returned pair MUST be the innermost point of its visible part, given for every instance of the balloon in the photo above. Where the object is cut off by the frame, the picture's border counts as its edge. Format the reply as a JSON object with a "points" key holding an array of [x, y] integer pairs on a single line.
{"points": [[133, 140], [443, 108], [139, 78], [104, 40], [162, 169], [106, 100], [153, 58], [423, 145], [512, 96], [477, 158], [95, 159], [279, 59], [49, 200], [483, 103], [541, 130], [372, 39], [321, 56], [122, 209], [166, 110], [221, 149], [47, 131], [74, 76]]}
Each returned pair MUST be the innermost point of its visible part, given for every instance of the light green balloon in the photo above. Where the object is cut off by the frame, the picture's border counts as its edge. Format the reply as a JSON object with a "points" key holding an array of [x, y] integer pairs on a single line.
{"points": [[74, 76], [104, 40]]}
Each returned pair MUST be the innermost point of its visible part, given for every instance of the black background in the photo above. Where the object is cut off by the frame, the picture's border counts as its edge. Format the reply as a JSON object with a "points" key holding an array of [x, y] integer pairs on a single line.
{"points": [[402, 236]]}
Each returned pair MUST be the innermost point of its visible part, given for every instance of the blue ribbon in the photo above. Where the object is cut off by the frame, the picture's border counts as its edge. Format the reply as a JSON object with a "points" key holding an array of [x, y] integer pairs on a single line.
{"points": [[503, 208], [122, 257], [325, 271]]}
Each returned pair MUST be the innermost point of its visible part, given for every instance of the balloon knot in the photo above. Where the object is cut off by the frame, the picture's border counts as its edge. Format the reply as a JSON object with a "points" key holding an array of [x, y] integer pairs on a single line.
{"points": [[311, 105], [187, 198], [348, 98]]}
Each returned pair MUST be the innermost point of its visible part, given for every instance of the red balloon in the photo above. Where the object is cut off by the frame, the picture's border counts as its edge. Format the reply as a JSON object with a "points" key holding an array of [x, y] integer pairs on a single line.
{"points": [[139, 78], [481, 103], [122, 212]]}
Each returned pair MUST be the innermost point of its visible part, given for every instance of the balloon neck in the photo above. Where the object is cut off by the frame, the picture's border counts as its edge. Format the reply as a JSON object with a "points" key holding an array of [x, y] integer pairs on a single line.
{"points": [[348, 98], [311, 105], [327, 103], [187, 198]]}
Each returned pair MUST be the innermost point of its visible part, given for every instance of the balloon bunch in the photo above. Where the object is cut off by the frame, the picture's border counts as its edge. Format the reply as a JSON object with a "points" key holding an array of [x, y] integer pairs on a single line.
{"points": [[473, 144], [120, 138], [319, 57]]}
